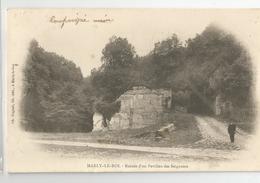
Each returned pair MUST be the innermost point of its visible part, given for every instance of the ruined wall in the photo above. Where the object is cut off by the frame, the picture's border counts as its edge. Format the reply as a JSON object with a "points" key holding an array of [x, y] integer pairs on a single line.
{"points": [[218, 105], [141, 107], [223, 107]]}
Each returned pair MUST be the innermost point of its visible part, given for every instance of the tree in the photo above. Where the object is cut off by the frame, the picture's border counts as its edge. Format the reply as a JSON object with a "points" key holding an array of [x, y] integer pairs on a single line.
{"points": [[118, 53], [210, 64], [107, 110], [166, 57], [112, 79], [53, 97]]}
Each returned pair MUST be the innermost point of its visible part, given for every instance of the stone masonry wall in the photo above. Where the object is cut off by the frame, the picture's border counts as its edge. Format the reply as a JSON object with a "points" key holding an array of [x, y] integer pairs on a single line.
{"points": [[141, 107]]}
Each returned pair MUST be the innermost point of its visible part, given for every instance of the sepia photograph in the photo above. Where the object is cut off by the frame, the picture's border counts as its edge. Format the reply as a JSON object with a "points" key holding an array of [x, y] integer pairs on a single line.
{"points": [[132, 90]]}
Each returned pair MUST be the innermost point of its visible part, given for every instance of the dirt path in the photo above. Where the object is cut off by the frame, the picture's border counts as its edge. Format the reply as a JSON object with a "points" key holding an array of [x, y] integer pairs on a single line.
{"points": [[215, 132]]}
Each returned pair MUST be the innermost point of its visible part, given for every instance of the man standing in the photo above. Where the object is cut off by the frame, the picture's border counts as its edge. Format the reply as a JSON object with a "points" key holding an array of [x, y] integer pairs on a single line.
{"points": [[232, 131]]}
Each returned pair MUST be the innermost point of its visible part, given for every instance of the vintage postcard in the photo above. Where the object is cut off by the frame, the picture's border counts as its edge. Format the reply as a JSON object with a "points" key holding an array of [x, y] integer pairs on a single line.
{"points": [[132, 90]]}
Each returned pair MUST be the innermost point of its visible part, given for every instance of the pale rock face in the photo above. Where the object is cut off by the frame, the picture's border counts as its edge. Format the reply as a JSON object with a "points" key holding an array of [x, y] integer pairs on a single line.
{"points": [[97, 122], [218, 105], [222, 106]]}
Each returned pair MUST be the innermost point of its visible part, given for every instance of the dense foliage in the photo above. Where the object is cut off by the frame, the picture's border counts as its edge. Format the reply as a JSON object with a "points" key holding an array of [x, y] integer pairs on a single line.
{"points": [[54, 98], [213, 63]]}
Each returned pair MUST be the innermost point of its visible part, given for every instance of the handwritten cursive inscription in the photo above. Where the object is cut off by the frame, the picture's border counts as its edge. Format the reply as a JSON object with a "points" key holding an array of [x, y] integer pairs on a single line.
{"points": [[64, 20]]}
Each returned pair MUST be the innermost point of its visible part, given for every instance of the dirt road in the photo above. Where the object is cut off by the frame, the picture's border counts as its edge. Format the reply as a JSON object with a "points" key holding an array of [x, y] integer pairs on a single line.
{"points": [[215, 133]]}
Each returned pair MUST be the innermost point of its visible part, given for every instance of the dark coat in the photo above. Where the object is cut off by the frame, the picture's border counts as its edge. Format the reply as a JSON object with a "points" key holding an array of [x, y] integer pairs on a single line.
{"points": [[232, 129]]}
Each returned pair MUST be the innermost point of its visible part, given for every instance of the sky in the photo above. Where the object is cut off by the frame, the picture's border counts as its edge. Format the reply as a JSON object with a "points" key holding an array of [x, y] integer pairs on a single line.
{"points": [[83, 43]]}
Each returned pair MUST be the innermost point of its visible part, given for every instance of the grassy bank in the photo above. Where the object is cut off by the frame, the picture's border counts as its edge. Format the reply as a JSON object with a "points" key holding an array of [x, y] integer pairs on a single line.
{"points": [[186, 131]]}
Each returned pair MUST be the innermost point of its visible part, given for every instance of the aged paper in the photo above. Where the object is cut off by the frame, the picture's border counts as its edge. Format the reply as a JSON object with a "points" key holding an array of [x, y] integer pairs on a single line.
{"points": [[132, 90]]}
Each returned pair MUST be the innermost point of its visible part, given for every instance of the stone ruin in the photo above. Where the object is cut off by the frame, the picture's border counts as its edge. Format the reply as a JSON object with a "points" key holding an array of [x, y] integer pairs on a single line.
{"points": [[222, 106], [140, 107]]}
